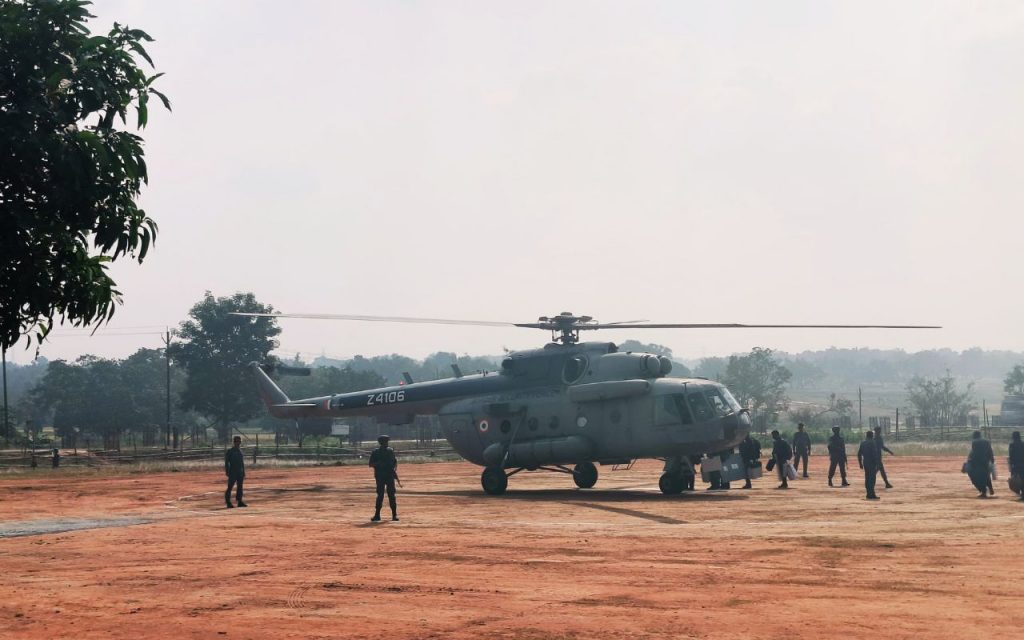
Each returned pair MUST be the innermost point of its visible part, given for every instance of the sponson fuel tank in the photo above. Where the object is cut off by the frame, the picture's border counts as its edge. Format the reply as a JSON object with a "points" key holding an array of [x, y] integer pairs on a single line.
{"points": [[533, 453]]}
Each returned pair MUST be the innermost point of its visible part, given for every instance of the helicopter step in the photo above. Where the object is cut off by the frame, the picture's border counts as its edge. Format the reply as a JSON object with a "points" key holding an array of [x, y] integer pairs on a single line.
{"points": [[620, 465]]}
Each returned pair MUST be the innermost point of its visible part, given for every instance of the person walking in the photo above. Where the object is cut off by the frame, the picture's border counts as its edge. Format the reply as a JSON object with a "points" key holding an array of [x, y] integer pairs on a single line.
{"points": [[781, 455], [801, 447], [1016, 460], [979, 465], [837, 457], [882, 448], [234, 468], [869, 459], [750, 451], [385, 472]]}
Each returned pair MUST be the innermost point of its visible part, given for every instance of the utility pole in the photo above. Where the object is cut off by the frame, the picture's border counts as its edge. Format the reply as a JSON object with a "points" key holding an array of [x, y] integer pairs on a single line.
{"points": [[860, 408], [167, 360], [7, 424]]}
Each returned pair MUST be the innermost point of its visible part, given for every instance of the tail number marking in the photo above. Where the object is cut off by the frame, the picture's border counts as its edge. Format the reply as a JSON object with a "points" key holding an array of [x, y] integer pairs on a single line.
{"points": [[385, 398]]}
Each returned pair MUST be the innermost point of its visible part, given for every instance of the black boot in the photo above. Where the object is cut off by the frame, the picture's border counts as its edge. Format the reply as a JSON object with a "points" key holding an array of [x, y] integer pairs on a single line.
{"points": [[376, 517], [394, 517]]}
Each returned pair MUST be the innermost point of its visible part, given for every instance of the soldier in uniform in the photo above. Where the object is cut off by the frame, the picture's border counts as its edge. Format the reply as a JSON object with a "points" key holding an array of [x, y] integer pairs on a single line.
{"points": [[978, 465], [869, 458], [1016, 458], [234, 468], [882, 448], [750, 451], [385, 472], [801, 447], [837, 457], [690, 474], [781, 454]]}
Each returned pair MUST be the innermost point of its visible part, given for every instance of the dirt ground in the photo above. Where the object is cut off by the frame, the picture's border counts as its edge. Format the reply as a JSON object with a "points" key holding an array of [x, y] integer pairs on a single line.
{"points": [[157, 555]]}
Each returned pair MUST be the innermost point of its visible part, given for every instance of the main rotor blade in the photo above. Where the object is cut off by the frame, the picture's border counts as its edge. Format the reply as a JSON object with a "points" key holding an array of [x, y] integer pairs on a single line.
{"points": [[587, 327], [334, 316]]}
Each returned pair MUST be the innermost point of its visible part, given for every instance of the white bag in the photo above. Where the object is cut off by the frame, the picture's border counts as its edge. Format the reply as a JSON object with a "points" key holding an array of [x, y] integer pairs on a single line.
{"points": [[992, 470], [790, 471]]}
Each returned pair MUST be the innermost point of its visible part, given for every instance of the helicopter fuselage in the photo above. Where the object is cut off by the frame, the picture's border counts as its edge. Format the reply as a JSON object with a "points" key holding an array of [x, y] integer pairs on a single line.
{"points": [[563, 404]]}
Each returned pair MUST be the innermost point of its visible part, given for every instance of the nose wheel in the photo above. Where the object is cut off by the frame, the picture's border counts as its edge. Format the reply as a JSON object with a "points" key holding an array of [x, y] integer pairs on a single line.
{"points": [[585, 475], [494, 481]]}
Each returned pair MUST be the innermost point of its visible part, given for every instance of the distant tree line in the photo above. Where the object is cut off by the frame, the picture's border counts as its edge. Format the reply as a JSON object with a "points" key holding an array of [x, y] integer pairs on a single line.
{"points": [[212, 387]]}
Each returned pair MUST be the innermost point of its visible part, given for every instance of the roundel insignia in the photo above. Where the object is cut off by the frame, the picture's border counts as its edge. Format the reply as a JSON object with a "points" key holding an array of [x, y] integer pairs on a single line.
{"points": [[484, 426]]}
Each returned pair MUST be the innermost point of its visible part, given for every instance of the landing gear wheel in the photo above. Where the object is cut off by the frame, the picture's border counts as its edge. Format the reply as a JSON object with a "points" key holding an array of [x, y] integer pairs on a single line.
{"points": [[670, 484], [494, 481], [585, 475]]}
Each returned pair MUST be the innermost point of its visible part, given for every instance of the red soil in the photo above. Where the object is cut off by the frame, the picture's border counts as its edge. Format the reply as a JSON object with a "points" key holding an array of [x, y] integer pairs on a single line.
{"points": [[544, 561]]}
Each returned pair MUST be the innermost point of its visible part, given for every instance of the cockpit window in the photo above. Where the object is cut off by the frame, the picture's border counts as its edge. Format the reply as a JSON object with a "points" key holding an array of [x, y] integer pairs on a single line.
{"points": [[673, 410], [699, 405], [736, 406], [574, 369], [717, 401]]}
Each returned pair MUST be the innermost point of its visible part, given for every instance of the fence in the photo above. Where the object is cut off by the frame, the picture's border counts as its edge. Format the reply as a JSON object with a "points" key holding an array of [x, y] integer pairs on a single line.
{"points": [[106, 458], [950, 434]]}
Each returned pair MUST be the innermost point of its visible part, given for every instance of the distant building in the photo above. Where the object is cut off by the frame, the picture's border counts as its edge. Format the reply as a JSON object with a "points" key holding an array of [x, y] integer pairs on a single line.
{"points": [[1011, 413]]}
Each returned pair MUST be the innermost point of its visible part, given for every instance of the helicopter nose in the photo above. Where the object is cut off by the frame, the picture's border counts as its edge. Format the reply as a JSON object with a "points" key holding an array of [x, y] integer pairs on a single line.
{"points": [[735, 423]]}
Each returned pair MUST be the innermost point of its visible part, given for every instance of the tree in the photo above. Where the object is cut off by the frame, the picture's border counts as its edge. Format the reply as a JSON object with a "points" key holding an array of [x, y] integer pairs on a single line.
{"points": [[758, 380], [69, 177], [712, 368], [1014, 381], [86, 396], [324, 381], [939, 401], [216, 348], [805, 373]]}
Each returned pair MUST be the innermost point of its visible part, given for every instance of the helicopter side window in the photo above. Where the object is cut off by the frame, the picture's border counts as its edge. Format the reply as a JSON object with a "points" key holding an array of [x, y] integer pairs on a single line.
{"points": [[673, 410], [699, 405], [717, 401], [574, 369]]}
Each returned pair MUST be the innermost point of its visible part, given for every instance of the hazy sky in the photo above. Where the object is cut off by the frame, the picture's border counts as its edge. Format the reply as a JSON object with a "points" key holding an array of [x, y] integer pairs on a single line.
{"points": [[853, 162]]}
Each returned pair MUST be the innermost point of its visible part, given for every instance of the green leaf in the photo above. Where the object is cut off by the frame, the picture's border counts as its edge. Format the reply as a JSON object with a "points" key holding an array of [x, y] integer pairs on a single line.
{"points": [[143, 110], [138, 48], [163, 98]]}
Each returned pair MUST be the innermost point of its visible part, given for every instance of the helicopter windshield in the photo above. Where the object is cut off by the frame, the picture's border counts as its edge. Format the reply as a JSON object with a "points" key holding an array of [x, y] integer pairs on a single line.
{"points": [[721, 400], [702, 411], [736, 406]]}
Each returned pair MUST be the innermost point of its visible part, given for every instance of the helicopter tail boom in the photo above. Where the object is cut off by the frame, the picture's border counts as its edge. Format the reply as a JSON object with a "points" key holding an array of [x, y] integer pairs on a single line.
{"points": [[276, 400]]}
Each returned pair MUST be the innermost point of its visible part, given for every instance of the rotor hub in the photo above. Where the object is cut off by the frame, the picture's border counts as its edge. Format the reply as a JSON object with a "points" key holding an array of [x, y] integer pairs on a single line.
{"points": [[565, 327]]}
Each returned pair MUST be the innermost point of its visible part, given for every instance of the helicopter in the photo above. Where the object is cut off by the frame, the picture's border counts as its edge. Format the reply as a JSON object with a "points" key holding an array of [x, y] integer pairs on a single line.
{"points": [[566, 407]]}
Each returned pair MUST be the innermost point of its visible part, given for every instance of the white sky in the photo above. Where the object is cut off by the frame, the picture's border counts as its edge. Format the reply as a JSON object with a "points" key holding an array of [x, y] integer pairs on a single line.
{"points": [[832, 162]]}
